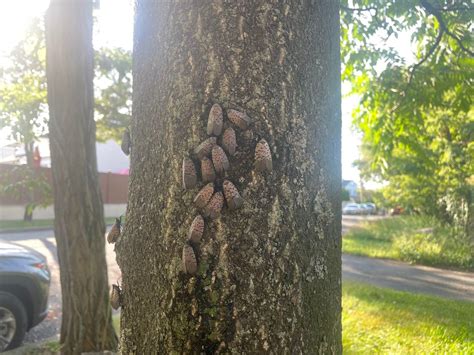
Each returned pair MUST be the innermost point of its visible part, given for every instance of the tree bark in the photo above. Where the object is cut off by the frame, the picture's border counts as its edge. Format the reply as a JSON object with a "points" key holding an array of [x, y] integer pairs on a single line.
{"points": [[269, 274], [79, 221]]}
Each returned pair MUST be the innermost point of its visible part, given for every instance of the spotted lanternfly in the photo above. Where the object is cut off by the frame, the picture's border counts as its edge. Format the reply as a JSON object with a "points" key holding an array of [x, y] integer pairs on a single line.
{"points": [[207, 170], [189, 174], [114, 233], [189, 260], [263, 157], [221, 163], [214, 207], [229, 143], [116, 297], [203, 196], [232, 196], [215, 120], [197, 229], [238, 118], [126, 142], [205, 148]]}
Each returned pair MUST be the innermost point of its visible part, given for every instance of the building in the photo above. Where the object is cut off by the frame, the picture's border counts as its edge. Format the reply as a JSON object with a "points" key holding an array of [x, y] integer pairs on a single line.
{"points": [[351, 187]]}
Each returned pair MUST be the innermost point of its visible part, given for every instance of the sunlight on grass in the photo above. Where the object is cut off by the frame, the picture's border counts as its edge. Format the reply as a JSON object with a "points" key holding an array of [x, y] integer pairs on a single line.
{"points": [[377, 320], [402, 238]]}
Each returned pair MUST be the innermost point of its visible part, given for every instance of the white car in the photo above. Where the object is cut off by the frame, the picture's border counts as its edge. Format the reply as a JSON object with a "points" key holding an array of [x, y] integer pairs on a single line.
{"points": [[352, 208]]}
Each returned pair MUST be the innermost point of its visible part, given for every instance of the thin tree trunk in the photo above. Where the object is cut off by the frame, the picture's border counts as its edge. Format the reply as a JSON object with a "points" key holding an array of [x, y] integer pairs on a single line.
{"points": [[28, 213], [79, 221], [269, 276]]}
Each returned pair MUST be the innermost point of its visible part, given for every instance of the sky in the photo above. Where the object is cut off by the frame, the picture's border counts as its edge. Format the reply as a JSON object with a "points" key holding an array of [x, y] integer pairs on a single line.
{"points": [[114, 28]]}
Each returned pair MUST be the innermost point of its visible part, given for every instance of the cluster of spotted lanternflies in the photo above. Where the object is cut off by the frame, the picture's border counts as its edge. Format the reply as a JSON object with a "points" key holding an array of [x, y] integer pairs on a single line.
{"points": [[218, 190]]}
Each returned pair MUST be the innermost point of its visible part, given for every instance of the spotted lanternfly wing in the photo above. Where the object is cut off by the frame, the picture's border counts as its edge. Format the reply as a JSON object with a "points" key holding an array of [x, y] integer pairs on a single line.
{"points": [[204, 149], [203, 196], [197, 229], [240, 119], [114, 233], [126, 142], [189, 260], [189, 174], [215, 120], [207, 170], [263, 157], [116, 297], [229, 142], [232, 196], [214, 207], [221, 163]]}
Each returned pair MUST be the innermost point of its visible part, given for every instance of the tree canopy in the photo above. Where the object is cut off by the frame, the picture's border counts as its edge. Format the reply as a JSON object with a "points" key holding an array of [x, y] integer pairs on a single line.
{"points": [[415, 112]]}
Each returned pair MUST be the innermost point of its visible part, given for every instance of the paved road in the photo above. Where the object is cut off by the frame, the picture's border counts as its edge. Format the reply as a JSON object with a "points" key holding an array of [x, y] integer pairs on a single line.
{"points": [[45, 243], [405, 277], [386, 273]]}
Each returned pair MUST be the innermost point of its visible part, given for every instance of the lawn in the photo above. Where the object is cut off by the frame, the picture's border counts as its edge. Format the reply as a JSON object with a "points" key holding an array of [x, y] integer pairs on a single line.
{"points": [[378, 320], [39, 223], [415, 239]]}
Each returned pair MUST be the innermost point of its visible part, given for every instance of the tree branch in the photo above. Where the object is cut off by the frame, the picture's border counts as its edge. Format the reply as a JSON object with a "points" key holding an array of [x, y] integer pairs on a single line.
{"points": [[435, 12]]}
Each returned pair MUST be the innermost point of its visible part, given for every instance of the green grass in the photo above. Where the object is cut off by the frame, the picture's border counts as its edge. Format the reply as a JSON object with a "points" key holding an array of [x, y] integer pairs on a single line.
{"points": [[400, 238], [39, 223], [377, 320]]}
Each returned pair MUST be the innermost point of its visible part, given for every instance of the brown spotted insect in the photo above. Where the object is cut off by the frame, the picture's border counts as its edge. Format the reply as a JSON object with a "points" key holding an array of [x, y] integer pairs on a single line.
{"points": [[214, 207], [240, 119], [215, 120], [232, 196], [196, 230], [219, 159], [229, 142], [189, 260], [189, 174], [204, 195], [204, 149], [116, 297], [114, 233], [263, 157], [207, 170], [126, 142]]}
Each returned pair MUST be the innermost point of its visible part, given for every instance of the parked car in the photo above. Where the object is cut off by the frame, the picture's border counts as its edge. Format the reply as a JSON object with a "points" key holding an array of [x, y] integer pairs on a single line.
{"points": [[368, 208], [352, 208], [24, 290]]}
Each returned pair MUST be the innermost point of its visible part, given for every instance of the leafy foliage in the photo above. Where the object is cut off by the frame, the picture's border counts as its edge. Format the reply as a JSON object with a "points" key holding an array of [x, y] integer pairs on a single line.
{"points": [[23, 89], [415, 114], [23, 107], [113, 82], [24, 181]]}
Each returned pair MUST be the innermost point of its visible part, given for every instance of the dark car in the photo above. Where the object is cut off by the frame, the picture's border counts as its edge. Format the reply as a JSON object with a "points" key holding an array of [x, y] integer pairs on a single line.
{"points": [[24, 289]]}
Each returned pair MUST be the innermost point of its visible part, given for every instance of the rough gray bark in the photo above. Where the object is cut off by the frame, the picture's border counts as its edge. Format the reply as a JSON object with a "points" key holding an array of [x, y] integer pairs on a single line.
{"points": [[269, 274], [79, 221]]}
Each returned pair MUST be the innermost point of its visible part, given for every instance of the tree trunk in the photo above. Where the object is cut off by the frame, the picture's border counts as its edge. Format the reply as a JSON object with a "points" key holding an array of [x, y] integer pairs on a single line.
{"points": [[269, 275], [29, 208], [79, 221]]}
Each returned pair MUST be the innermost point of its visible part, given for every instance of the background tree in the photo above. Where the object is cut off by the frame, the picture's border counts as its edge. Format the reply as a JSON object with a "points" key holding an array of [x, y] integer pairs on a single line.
{"points": [[113, 83], [23, 110], [79, 222], [269, 274], [416, 117]]}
